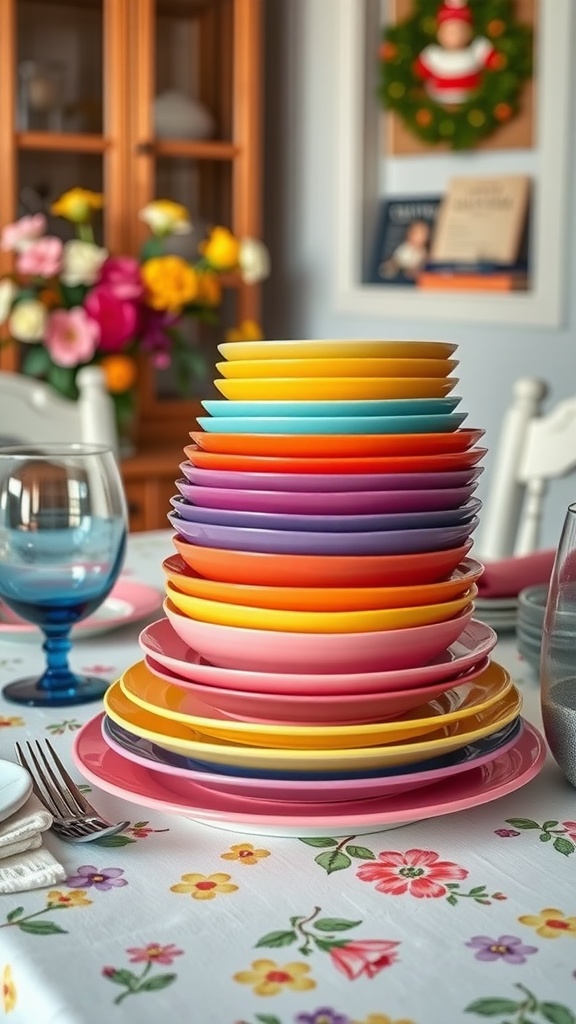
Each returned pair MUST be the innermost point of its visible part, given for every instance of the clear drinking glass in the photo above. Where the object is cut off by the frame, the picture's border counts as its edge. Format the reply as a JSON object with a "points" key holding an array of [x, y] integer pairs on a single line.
{"points": [[558, 658], [62, 543]]}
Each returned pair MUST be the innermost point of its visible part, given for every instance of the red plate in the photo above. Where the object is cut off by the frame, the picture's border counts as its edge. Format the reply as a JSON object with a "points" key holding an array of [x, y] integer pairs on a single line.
{"points": [[386, 464], [329, 445]]}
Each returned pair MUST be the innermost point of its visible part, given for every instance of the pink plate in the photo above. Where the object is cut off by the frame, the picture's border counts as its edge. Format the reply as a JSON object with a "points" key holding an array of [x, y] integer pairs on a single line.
{"points": [[325, 502], [326, 709], [160, 642], [265, 650], [104, 768], [330, 481], [333, 791], [126, 603]]}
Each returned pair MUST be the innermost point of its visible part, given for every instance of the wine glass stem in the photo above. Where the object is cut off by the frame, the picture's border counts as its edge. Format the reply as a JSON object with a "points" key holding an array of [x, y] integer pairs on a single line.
{"points": [[58, 675]]}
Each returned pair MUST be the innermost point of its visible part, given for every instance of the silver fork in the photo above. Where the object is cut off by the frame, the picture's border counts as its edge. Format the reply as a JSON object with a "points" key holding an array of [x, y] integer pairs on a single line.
{"points": [[75, 819]]}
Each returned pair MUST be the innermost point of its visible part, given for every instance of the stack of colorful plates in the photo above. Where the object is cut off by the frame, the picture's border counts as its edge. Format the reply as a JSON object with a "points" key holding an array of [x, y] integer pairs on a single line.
{"points": [[318, 666]]}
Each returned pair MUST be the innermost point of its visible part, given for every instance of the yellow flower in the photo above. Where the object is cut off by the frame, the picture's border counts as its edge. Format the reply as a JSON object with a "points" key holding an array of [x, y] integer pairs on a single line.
{"points": [[170, 282], [120, 373], [204, 887], [165, 217], [245, 853], [269, 978], [550, 923], [9, 994], [209, 288], [72, 898], [78, 205], [221, 250], [13, 720], [247, 330], [381, 1018]]}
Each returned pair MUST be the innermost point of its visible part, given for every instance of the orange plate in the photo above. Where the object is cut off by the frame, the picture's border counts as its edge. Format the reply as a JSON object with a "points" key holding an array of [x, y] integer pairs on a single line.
{"points": [[250, 369], [346, 445], [268, 570], [322, 599], [392, 464]]}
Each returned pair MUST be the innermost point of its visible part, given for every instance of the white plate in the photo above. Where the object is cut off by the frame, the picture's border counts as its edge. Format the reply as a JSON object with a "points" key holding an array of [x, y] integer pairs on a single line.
{"points": [[15, 788], [127, 602]]}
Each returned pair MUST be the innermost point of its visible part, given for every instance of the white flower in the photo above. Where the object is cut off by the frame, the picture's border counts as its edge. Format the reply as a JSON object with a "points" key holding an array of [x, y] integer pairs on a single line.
{"points": [[28, 320], [254, 260], [82, 262], [165, 217], [8, 292]]}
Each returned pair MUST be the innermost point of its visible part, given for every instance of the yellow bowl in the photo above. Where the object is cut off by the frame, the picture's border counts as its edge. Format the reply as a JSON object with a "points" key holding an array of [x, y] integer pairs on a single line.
{"points": [[287, 621], [289, 368], [178, 738], [322, 599], [336, 349], [320, 389]]}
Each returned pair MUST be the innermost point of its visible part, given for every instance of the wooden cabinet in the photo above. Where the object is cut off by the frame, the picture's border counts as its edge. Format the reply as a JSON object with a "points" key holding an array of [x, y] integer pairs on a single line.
{"points": [[92, 93]]}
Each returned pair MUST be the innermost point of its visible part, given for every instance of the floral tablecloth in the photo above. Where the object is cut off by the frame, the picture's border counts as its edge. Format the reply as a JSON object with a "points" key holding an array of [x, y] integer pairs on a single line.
{"points": [[461, 918]]}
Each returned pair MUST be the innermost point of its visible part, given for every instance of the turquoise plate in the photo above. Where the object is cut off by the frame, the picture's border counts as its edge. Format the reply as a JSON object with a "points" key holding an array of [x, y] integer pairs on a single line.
{"points": [[367, 407], [315, 425]]}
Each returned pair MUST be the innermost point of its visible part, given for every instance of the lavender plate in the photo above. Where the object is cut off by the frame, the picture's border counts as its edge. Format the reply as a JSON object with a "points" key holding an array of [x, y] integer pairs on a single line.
{"points": [[323, 523], [330, 481], [304, 542]]}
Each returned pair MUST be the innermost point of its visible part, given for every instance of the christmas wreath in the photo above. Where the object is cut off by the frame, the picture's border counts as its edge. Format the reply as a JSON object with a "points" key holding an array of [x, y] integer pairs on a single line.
{"points": [[453, 70]]}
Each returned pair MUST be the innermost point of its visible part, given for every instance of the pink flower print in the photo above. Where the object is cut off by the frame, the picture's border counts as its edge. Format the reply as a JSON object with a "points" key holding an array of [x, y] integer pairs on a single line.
{"points": [[506, 947], [570, 827], [154, 953], [115, 317], [71, 336], [87, 875], [418, 872], [506, 833], [16, 236], [42, 258], [368, 957], [122, 276]]}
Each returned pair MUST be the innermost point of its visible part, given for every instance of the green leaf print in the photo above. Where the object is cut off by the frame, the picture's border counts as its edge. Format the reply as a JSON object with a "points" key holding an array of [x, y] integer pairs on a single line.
{"points": [[545, 837], [492, 1006], [333, 861], [319, 842], [557, 1014], [113, 841], [524, 823], [360, 852], [563, 846], [266, 1018], [159, 981], [123, 977], [15, 913], [42, 928], [277, 939], [335, 924]]}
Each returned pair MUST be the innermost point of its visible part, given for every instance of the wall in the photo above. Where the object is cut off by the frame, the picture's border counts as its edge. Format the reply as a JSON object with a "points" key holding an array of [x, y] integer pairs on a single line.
{"points": [[301, 135]]}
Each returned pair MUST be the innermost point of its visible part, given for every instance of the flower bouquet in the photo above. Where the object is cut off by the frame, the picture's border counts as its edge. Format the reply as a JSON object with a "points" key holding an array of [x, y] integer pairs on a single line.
{"points": [[72, 304]]}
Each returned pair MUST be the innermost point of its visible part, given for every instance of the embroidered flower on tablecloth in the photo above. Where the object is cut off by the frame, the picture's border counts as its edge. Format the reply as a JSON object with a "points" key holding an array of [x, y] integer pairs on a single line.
{"points": [[11, 721], [105, 879], [269, 978], [323, 1015], [381, 1018], [367, 957], [418, 872], [204, 887], [154, 953], [506, 833], [9, 994], [570, 827], [550, 923], [77, 898], [245, 853], [508, 948]]}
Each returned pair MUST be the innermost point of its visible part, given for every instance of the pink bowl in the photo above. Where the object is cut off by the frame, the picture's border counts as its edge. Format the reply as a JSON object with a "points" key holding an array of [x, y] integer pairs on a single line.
{"points": [[268, 650], [329, 481]]}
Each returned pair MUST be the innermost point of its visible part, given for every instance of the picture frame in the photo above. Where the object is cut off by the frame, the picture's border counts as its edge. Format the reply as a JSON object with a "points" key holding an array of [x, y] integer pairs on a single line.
{"points": [[359, 189]]}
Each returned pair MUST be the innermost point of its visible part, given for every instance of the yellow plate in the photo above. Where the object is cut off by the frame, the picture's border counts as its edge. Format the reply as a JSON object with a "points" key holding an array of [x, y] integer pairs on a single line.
{"points": [[330, 389], [180, 739], [287, 621], [336, 349], [253, 368]]}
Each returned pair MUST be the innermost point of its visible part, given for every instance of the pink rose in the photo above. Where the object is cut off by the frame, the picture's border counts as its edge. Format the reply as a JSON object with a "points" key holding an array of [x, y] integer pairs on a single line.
{"points": [[71, 336], [116, 317], [368, 957], [42, 258], [18, 235], [121, 274]]}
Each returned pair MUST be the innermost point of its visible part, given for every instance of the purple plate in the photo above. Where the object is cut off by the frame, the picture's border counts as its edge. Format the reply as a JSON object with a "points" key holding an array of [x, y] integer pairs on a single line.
{"points": [[337, 523], [330, 481], [300, 542], [353, 503]]}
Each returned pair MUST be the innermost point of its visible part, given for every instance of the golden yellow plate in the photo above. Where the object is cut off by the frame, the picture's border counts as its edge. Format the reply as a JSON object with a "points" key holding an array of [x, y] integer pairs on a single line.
{"points": [[288, 621], [253, 368], [336, 349], [179, 704], [173, 736], [334, 388]]}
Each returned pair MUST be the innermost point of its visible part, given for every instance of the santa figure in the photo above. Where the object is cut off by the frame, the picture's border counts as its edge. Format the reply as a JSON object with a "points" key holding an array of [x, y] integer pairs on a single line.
{"points": [[452, 67]]}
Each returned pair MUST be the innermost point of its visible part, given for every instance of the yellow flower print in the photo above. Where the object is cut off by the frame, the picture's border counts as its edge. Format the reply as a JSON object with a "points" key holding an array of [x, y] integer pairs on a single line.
{"points": [[245, 853], [170, 282], [204, 887], [72, 898], [269, 978], [381, 1018], [77, 205], [221, 250], [9, 994], [247, 330], [12, 721], [550, 923]]}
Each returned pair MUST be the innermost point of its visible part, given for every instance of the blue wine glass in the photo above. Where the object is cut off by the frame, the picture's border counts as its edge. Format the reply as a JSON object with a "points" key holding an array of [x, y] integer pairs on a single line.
{"points": [[62, 543]]}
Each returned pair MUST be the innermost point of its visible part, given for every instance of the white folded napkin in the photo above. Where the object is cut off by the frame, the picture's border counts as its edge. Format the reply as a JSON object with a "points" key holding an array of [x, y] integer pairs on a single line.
{"points": [[24, 862]]}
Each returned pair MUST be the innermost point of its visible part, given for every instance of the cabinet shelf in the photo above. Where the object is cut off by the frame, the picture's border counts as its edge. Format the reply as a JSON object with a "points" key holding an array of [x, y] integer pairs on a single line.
{"points": [[194, 150], [62, 142]]}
